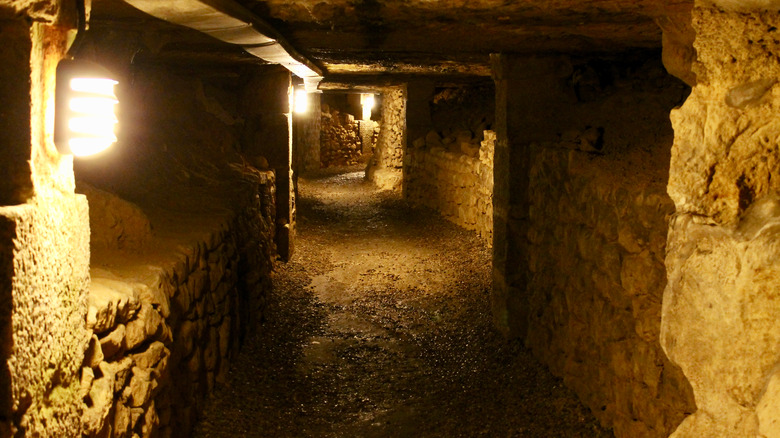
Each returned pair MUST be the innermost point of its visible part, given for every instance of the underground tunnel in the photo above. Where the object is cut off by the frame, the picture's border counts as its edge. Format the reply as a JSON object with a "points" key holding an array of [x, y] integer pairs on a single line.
{"points": [[384, 218]]}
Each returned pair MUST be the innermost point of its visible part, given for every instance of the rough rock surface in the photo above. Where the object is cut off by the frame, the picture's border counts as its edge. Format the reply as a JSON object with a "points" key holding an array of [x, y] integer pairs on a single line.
{"points": [[380, 326], [124, 225], [720, 306], [44, 234], [44, 282]]}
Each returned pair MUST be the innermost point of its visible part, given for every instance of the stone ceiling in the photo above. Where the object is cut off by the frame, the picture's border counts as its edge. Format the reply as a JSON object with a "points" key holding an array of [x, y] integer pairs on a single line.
{"points": [[449, 37]]}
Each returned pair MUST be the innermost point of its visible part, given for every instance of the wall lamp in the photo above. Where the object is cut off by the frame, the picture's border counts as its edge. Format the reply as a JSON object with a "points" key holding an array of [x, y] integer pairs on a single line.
{"points": [[367, 101], [301, 104], [85, 104]]}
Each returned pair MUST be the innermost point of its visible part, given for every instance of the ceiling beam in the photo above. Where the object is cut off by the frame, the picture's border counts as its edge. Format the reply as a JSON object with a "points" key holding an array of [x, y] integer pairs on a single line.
{"points": [[228, 21]]}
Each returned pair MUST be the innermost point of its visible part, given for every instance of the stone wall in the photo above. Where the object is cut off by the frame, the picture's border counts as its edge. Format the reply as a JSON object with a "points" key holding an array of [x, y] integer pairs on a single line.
{"points": [[44, 233], [457, 183], [597, 239], [586, 226], [721, 307], [165, 323], [264, 108], [308, 130], [342, 140], [385, 169], [450, 169], [185, 219]]}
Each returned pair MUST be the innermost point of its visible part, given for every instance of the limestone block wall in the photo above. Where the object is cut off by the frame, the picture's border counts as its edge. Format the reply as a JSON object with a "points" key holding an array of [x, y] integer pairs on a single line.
{"points": [[581, 160], [385, 169], [458, 185], [164, 325], [597, 237], [721, 308]]}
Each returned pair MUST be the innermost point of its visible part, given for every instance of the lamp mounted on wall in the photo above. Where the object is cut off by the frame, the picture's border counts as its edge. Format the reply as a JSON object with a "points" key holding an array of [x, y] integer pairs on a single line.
{"points": [[367, 102], [85, 105], [301, 104]]}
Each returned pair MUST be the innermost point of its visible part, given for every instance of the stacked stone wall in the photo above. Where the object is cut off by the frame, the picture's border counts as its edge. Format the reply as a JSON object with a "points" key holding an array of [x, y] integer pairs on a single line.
{"points": [[582, 154], [343, 139], [597, 243], [456, 183], [165, 326]]}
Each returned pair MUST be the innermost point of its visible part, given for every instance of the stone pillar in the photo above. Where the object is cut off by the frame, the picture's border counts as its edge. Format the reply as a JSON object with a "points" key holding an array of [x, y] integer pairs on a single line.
{"points": [[268, 106], [306, 138], [385, 169], [530, 98], [721, 307], [44, 234]]}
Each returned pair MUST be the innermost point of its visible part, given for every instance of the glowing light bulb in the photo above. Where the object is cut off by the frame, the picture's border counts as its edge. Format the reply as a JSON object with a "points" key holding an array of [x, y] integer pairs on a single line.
{"points": [[301, 101], [93, 120], [367, 101], [85, 119]]}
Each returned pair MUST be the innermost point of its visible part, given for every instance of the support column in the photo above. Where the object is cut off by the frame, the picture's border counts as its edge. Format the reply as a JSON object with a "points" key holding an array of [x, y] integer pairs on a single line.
{"points": [[385, 169], [268, 105], [306, 138], [44, 234], [721, 307], [529, 100]]}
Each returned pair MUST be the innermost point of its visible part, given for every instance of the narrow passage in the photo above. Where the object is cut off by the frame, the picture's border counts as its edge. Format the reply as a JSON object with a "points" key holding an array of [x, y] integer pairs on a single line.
{"points": [[380, 326]]}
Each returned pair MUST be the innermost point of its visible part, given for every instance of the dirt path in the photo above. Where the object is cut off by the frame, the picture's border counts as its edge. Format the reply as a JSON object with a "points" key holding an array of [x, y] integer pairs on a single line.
{"points": [[380, 327]]}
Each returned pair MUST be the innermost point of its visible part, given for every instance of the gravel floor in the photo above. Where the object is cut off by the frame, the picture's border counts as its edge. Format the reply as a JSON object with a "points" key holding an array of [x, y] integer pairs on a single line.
{"points": [[380, 327]]}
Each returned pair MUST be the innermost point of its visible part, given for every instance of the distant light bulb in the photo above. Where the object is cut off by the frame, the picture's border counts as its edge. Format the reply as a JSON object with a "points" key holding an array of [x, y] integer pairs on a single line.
{"points": [[367, 100], [301, 101]]}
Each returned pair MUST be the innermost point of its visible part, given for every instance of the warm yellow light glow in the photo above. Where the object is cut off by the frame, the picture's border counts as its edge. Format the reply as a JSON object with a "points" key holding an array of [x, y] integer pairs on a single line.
{"points": [[84, 146], [85, 119], [92, 105], [92, 120], [367, 100], [93, 126], [301, 101], [99, 86]]}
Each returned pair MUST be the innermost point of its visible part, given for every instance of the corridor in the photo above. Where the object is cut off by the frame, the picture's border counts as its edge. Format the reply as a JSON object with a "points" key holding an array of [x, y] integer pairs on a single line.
{"points": [[380, 326]]}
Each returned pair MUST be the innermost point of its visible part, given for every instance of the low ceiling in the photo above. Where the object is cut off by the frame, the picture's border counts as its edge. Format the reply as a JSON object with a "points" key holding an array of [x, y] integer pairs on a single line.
{"points": [[440, 37]]}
